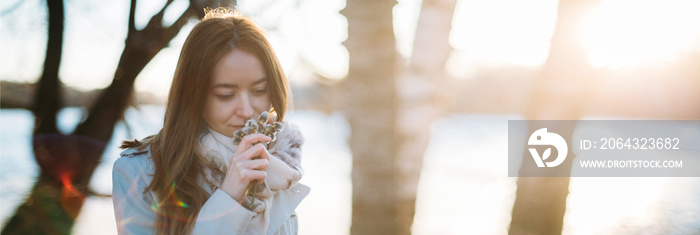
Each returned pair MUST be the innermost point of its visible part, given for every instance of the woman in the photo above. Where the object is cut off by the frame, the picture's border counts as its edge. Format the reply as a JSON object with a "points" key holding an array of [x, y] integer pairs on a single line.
{"points": [[190, 177]]}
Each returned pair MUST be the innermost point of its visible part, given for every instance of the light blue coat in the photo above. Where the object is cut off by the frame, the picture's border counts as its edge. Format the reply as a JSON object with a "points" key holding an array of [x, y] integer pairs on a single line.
{"points": [[220, 214]]}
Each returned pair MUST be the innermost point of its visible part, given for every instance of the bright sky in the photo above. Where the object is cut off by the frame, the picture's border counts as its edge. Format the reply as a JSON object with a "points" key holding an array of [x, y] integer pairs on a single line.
{"points": [[495, 32]]}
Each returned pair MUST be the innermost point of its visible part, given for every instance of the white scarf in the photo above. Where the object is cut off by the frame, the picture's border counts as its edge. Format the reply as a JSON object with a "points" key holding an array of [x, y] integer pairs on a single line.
{"points": [[283, 172]]}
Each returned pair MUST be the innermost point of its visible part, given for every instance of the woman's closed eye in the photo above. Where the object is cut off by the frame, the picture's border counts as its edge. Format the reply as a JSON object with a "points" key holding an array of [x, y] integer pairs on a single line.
{"points": [[225, 96], [261, 91]]}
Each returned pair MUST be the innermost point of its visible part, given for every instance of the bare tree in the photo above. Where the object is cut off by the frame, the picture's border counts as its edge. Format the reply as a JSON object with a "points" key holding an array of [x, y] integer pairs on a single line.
{"points": [[370, 106], [389, 108], [422, 88], [68, 161], [558, 94]]}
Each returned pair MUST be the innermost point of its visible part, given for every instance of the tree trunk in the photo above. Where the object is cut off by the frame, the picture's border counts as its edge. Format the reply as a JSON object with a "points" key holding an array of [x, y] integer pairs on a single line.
{"points": [[558, 94], [68, 161], [370, 106], [421, 88], [47, 96]]}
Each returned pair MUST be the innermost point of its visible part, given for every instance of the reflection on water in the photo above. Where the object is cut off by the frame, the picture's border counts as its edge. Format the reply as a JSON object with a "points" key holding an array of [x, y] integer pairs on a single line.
{"points": [[464, 187], [634, 205]]}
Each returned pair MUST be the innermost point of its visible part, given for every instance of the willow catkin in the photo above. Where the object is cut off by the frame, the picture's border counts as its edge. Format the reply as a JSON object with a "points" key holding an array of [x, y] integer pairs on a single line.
{"points": [[260, 125]]}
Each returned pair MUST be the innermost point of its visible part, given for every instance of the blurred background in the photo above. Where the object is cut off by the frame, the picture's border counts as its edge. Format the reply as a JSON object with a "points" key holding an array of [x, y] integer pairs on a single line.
{"points": [[404, 106]]}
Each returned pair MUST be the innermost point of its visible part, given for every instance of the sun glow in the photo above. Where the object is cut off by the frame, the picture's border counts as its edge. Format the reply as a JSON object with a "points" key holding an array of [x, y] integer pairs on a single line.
{"points": [[619, 33], [629, 32]]}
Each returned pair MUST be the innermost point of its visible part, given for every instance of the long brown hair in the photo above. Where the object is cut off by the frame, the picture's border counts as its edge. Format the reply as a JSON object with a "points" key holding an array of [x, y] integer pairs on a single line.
{"points": [[173, 150]]}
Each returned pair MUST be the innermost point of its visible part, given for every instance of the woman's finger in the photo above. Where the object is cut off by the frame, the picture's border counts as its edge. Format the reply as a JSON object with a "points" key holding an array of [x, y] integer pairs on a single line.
{"points": [[261, 151], [257, 151], [256, 164], [251, 175], [251, 139]]}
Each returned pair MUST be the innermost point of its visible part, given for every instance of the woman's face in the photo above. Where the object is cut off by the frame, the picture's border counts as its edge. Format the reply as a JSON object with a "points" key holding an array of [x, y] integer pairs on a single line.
{"points": [[237, 92]]}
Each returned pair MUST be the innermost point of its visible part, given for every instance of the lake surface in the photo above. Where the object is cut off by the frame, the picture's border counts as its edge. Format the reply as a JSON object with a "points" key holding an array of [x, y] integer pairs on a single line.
{"points": [[464, 188]]}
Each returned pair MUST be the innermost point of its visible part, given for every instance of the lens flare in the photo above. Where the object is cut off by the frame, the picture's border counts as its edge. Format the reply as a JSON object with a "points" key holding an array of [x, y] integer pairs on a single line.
{"points": [[175, 198], [71, 198]]}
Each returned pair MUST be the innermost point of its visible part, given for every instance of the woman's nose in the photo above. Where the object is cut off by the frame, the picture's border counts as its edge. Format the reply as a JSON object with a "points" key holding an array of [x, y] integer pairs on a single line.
{"points": [[245, 108]]}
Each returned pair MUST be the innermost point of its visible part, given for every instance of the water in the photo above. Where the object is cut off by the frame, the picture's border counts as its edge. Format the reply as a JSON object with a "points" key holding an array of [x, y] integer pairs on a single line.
{"points": [[464, 188]]}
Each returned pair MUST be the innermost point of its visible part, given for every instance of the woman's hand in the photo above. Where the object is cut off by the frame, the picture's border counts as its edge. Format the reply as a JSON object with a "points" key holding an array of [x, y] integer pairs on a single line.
{"points": [[248, 163]]}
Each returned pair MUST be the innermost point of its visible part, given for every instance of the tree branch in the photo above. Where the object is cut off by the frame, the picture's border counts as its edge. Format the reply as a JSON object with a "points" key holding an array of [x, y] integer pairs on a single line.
{"points": [[141, 46], [156, 21], [173, 30], [132, 16], [12, 8], [162, 10]]}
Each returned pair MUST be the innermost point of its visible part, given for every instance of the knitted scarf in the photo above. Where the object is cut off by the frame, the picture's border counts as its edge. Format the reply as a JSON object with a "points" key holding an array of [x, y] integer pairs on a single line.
{"points": [[283, 172]]}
